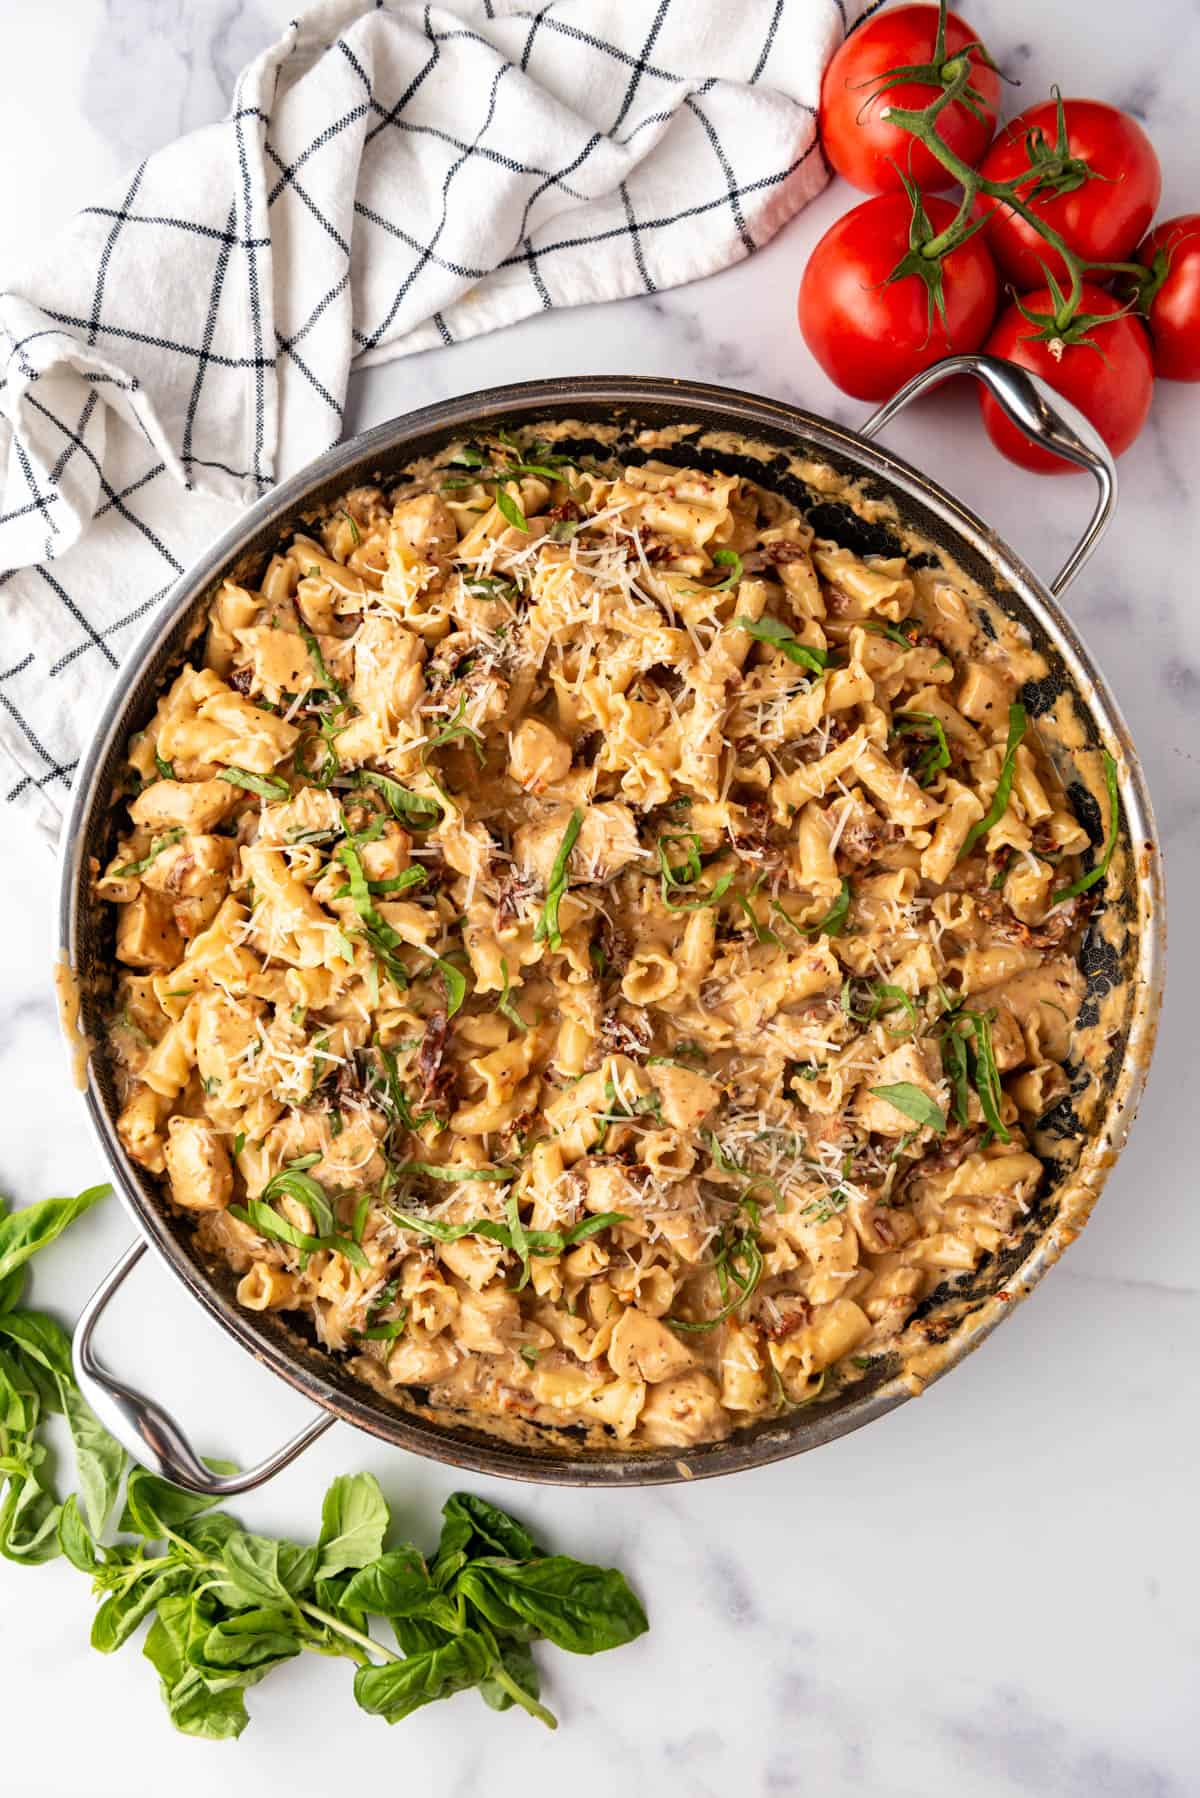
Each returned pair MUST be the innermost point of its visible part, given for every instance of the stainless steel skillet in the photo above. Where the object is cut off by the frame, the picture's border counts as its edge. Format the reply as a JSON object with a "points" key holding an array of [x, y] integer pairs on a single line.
{"points": [[1124, 962]]}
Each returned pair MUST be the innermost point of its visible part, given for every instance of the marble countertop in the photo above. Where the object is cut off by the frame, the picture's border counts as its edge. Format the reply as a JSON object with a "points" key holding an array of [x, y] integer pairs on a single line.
{"points": [[992, 1591]]}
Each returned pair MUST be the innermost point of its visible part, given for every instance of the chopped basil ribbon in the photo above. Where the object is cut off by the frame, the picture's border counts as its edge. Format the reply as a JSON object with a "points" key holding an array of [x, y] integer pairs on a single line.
{"points": [[892, 632], [294, 1183], [505, 1005], [546, 929], [415, 809], [157, 845], [1018, 724], [913, 1103], [879, 999], [1096, 874], [508, 508], [677, 875], [969, 1060], [929, 732], [382, 939], [832, 924], [267, 786], [455, 731], [453, 1175], [783, 637], [728, 558], [512, 1234], [328, 684]]}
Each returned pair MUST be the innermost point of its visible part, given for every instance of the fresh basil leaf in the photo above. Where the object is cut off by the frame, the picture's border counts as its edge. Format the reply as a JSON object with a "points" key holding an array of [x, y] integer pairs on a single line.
{"points": [[23, 1233], [239, 1651], [260, 1570], [579, 1608], [913, 1103], [20, 1395], [209, 1534], [1095, 875], [11, 1289], [99, 1458], [516, 1659], [125, 1609], [192, 1706], [29, 1511], [398, 1585], [546, 929], [478, 1526], [213, 1716], [74, 1539], [354, 1522], [588, 1226], [398, 1688], [294, 1183], [1018, 724], [40, 1339], [154, 1508]]}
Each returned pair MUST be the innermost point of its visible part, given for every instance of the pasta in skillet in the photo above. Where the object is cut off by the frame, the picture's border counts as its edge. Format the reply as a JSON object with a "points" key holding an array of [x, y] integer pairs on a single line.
{"points": [[592, 947]]}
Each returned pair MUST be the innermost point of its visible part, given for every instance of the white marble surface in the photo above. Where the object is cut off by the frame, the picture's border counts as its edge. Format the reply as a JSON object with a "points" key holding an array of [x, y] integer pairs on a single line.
{"points": [[993, 1591]]}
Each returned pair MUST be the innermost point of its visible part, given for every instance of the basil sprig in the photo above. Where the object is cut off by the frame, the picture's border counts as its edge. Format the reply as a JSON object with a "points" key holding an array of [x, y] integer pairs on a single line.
{"points": [[36, 1379], [225, 1607], [1018, 724]]}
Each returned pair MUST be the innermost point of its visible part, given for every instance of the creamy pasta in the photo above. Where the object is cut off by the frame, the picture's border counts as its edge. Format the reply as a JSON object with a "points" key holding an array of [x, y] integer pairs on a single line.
{"points": [[593, 948]]}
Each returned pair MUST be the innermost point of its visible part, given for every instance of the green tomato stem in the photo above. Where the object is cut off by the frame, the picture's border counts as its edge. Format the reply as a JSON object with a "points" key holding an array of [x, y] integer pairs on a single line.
{"points": [[921, 124]]}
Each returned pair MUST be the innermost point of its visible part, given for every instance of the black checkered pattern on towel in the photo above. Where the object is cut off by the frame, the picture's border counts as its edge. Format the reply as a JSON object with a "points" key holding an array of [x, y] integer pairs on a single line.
{"points": [[389, 179]]}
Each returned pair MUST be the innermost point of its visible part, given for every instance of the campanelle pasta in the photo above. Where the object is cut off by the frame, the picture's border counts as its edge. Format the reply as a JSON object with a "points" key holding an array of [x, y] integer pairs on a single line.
{"points": [[594, 950]]}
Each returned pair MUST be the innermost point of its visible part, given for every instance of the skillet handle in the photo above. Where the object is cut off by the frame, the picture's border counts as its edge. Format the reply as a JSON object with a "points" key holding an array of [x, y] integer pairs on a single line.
{"points": [[1035, 408], [141, 1425]]}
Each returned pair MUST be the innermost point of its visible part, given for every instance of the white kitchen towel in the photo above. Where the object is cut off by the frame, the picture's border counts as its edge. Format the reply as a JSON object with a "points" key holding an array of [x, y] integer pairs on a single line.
{"points": [[390, 178]]}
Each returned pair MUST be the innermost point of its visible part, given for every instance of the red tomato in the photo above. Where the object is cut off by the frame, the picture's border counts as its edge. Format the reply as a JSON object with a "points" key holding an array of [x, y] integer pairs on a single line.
{"points": [[1101, 219], [1174, 310], [870, 334], [1111, 385], [859, 142]]}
